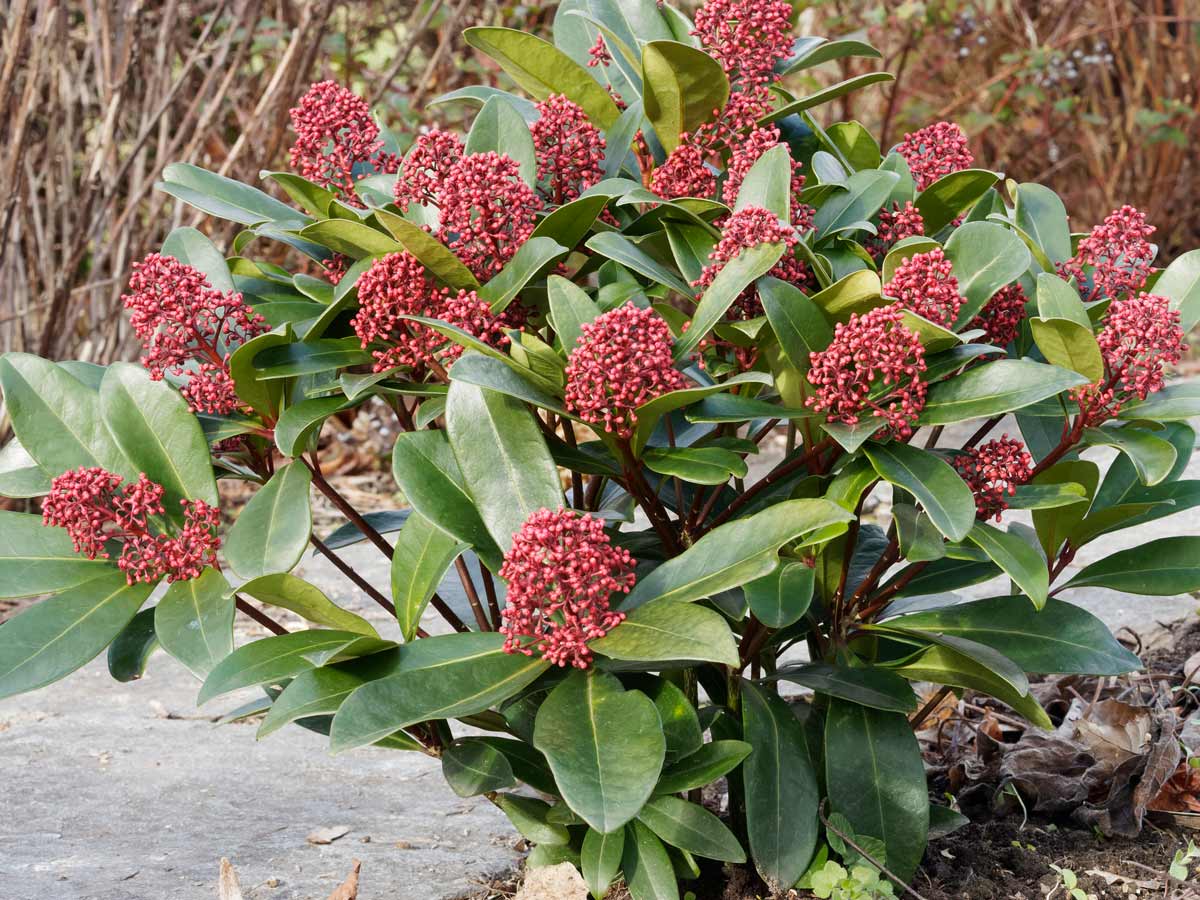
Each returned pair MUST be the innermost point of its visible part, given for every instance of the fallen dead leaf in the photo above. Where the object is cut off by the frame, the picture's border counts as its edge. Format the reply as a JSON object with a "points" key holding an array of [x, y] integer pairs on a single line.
{"points": [[228, 887], [348, 889], [328, 834]]}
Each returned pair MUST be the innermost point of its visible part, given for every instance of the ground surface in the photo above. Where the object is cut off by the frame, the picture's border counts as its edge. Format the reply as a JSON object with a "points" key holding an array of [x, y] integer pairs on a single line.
{"points": [[127, 792]]}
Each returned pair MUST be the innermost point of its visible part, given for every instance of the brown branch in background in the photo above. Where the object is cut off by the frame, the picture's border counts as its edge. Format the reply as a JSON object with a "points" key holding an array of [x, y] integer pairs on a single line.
{"points": [[258, 615]]}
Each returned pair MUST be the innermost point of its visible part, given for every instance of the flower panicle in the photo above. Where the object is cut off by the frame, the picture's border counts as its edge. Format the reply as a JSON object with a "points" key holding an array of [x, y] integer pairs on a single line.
{"points": [[925, 284], [935, 151], [993, 471], [562, 570], [189, 329], [94, 509], [621, 361]]}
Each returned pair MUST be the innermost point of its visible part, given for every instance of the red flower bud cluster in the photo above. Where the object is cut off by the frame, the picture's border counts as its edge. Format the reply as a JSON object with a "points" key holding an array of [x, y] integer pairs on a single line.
{"points": [[935, 151], [1001, 316], [570, 149], [188, 330], [621, 360], [895, 225], [992, 471], [684, 173], [599, 54], [426, 166], [334, 134], [94, 509], [924, 284], [487, 211], [1140, 338], [398, 285], [747, 37], [1116, 254], [749, 227], [561, 571], [872, 367]]}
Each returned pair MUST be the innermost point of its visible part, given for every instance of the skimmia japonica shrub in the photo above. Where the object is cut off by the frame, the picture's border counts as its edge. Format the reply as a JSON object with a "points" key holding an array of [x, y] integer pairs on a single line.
{"points": [[649, 268]]}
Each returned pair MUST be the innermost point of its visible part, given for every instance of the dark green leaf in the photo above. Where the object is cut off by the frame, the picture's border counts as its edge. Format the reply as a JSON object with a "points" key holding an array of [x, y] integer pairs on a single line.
{"points": [[1153, 458], [530, 818], [1161, 568], [780, 789], [1041, 215], [826, 94], [781, 598], [876, 688], [194, 621], [703, 767], [422, 555], [600, 859], [985, 257], [432, 253], [504, 460], [272, 530], [446, 676], [300, 424], [992, 388], [223, 197], [934, 482], [649, 874], [621, 249], [691, 827], [132, 648], [669, 631], [532, 257], [501, 128], [876, 779], [605, 746], [53, 638], [797, 321], [865, 193], [472, 767], [951, 195], [20, 476], [1180, 283], [697, 465], [310, 357], [305, 600], [1019, 560], [1069, 345], [41, 559]]}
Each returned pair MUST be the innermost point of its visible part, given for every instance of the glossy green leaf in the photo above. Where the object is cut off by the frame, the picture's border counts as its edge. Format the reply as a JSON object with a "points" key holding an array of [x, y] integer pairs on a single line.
{"points": [[570, 309], [1041, 214], [20, 475], [952, 195], [273, 659], [429, 250], [223, 197], [934, 482], [768, 183], [826, 94], [621, 249], [301, 423], [532, 257], [797, 321], [1180, 283], [310, 357], [780, 789], [985, 257], [194, 621], [865, 193], [670, 631], [501, 128], [823, 51], [272, 530], [858, 292], [422, 555], [703, 767], [691, 827], [312, 198], [57, 419], [733, 278], [542, 69], [781, 598], [876, 779], [424, 467], [305, 600], [1046, 496], [734, 553], [440, 677], [649, 874], [472, 767], [1153, 458], [605, 746], [152, 425], [503, 457], [530, 817], [353, 239], [992, 388], [649, 414], [1161, 568], [1058, 300], [321, 691], [56, 636], [1059, 638], [1017, 558], [261, 394], [570, 223], [1174, 403], [600, 859], [680, 724], [41, 559], [683, 86], [1069, 345], [696, 465], [131, 650], [876, 688]]}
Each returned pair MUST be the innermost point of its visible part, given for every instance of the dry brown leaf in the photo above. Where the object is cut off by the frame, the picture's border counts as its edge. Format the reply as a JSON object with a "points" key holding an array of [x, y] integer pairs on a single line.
{"points": [[228, 887], [328, 834], [1114, 731], [348, 889]]}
